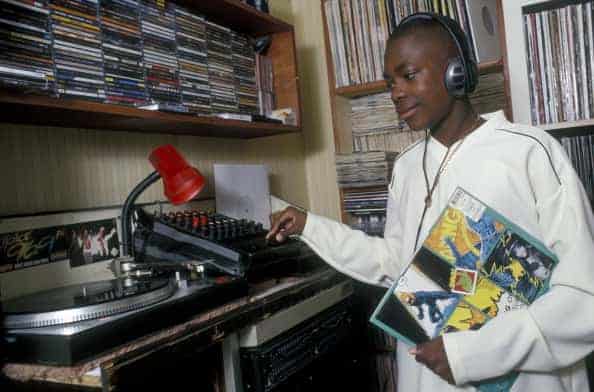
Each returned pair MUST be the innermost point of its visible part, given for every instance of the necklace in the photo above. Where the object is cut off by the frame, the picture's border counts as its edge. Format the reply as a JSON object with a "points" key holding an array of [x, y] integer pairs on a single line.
{"points": [[442, 166]]}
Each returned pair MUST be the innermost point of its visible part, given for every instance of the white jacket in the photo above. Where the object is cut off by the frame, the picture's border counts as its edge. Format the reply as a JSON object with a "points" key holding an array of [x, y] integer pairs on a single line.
{"points": [[524, 174]]}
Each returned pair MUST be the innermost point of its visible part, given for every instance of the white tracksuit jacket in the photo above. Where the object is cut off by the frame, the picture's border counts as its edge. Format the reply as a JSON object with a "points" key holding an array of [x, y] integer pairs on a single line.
{"points": [[524, 174]]}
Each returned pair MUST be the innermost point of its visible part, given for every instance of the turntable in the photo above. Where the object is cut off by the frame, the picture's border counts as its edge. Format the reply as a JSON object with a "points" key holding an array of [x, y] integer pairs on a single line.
{"points": [[66, 325]]}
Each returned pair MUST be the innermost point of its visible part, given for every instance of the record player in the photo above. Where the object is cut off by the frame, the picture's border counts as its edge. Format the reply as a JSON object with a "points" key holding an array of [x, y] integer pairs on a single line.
{"points": [[181, 264], [65, 325]]}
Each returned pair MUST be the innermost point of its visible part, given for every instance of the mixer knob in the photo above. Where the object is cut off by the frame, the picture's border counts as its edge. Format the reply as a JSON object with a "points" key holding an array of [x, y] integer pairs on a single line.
{"points": [[195, 222]]}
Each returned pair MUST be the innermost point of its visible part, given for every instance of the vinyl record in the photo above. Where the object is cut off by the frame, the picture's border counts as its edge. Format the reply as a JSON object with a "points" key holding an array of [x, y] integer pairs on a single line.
{"points": [[84, 302]]}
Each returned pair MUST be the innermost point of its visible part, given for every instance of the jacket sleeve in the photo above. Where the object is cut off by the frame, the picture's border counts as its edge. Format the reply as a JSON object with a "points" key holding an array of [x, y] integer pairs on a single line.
{"points": [[557, 330], [372, 260]]}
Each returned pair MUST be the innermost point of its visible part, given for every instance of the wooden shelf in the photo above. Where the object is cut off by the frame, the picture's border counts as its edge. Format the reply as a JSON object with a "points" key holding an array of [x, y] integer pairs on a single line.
{"points": [[570, 128], [242, 17], [359, 90], [20, 108], [379, 86], [47, 111]]}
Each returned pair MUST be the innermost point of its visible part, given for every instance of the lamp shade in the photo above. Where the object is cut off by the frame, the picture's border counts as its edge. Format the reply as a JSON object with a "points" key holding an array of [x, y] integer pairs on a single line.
{"points": [[181, 181]]}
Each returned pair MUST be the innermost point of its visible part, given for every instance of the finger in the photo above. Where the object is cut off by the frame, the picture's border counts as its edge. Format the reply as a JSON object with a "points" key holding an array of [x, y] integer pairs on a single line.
{"points": [[279, 224], [276, 220]]}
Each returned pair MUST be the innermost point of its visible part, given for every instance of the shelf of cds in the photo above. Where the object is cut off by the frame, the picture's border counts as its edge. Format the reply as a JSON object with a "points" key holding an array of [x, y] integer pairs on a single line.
{"points": [[188, 66]]}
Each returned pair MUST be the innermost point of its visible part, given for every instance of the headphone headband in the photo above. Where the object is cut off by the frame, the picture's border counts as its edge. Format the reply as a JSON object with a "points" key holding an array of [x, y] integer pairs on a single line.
{"points": [[461, 75]]}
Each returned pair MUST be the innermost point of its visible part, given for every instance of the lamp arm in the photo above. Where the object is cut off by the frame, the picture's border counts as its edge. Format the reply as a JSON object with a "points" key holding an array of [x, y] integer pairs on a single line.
{"points": [[127, 211]]}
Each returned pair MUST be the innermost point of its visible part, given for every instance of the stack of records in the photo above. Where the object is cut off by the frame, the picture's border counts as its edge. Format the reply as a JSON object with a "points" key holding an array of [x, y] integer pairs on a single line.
{"points": [[160, 51], [78, 56], [244, 68], [25, 46], [367, 210], [489, 95], [220, 69], [122, 52], [376, 126], [364, 169], [193, 61]]}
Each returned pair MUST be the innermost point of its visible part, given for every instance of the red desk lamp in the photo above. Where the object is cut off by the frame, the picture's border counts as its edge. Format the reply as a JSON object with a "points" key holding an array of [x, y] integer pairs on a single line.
{"points": [[181, 183]]}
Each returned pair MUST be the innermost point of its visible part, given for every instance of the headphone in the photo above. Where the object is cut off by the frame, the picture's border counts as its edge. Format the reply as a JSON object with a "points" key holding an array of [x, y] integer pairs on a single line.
{"points": [[461, 75]]}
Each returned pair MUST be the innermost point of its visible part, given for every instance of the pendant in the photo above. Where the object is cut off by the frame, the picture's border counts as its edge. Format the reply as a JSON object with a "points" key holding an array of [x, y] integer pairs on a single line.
{"points": [[428, 201]]}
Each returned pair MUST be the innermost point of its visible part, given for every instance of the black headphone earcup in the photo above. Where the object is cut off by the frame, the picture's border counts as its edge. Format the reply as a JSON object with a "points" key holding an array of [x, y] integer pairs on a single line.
{"points": [[455, 78], [472, 75]]}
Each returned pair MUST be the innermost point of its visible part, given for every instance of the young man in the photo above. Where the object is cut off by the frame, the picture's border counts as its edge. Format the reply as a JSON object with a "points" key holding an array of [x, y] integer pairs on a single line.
{"points": [[519, 171]]}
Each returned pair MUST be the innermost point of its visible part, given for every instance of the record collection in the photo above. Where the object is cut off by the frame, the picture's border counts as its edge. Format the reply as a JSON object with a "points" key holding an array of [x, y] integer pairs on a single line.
{"points": [[220, 69], [122, 52], [357, 170], [77, 49], [193, 61], [358, 31], [560, 57], [580, 150], [25, 46], [376, 126]]}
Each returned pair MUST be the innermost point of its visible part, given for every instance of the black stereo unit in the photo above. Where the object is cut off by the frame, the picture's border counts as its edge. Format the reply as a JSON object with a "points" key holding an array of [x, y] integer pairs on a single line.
{"points": [[267, 366]]}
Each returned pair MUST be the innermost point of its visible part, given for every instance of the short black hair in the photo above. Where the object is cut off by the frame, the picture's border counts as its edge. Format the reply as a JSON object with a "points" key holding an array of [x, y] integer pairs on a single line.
{"points": [[421, 24]]}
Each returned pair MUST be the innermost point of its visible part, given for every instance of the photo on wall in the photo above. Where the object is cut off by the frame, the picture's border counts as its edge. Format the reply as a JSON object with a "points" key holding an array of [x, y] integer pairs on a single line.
{"points": [[91, 242]]}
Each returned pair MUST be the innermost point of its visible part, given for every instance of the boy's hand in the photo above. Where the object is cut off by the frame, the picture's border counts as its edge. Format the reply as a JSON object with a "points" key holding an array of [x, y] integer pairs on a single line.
{"points": [[285, 223], [432, 354]]}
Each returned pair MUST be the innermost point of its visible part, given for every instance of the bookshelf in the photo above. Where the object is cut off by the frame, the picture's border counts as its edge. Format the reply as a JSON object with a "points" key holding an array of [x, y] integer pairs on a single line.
{"points": [[32, 109], [516, 56]]}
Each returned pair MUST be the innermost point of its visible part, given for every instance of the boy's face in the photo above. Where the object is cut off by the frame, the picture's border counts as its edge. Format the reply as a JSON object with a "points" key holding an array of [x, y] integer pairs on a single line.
{"points": [[414, 68]]}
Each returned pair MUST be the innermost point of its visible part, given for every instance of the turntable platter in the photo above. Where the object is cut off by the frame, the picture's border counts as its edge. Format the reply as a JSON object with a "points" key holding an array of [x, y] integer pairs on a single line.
{"points": [[84, 302]]}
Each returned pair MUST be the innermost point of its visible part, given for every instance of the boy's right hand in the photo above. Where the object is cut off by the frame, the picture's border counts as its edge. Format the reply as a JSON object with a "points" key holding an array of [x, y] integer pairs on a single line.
{"points": [[285, 223]]}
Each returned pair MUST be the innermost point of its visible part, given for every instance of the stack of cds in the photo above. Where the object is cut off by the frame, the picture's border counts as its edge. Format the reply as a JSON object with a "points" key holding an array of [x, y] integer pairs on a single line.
{"points": [[193, 61], [265, 84], [159, 50], [25, 46], [220, 69], [244, 68], [122, 52], [78, 56]]}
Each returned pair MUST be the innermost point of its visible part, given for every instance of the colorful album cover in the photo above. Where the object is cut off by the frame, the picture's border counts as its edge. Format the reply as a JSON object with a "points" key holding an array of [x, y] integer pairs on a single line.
{"points": [[427, 302], [474, 265]]}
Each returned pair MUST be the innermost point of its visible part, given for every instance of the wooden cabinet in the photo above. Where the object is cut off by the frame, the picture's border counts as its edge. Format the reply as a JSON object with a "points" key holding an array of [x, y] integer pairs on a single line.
{"points": [[21, 108]]}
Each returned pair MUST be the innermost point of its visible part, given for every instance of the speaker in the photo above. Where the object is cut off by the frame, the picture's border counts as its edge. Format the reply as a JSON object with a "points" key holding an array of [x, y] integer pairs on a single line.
{"points": [[461, 75]]}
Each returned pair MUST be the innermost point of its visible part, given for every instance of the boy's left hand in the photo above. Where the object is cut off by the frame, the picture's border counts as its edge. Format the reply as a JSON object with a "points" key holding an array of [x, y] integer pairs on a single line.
{"points": [[432, 354]]}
